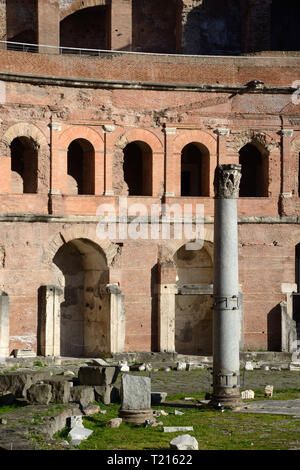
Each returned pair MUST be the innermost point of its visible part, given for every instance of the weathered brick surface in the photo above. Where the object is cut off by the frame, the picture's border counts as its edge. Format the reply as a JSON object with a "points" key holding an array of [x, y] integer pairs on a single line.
{"points": [[165, 121]]}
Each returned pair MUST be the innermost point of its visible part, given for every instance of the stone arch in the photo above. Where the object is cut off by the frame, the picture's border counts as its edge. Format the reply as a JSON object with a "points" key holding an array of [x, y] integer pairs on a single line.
{"points": [[81, 132], [38, 141], [77, 5], [67, 234], [155, 145], [202, 137], [24, 129], [144, 135], [264, 142]]}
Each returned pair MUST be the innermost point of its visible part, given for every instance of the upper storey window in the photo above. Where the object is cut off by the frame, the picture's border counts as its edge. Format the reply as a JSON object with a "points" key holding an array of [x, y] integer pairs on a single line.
{"points": [[155, 26], [86, 29], [285, 31]]}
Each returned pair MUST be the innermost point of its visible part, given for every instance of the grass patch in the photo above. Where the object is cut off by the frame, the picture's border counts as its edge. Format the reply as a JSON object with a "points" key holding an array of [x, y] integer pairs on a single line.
{"points": [[212, 429]]}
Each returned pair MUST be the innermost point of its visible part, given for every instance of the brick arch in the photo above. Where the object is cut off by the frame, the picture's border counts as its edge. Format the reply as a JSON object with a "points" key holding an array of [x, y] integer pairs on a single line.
{"points": [[24, 129], [201, 137], [144, 135], [80, 5], [81, 132], [68, 234]]}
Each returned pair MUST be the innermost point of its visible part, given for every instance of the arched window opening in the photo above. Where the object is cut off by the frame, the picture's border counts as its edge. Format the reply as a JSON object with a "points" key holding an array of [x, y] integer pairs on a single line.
{"points": [[81, 167], [194, 170], [254, 181], [84, 308], [86, 29], [155, 26], [24, 165], [138, 168], [285, 32]]}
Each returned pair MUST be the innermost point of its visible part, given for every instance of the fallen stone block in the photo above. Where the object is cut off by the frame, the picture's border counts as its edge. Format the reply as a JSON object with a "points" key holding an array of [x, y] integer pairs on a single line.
{"points": [[82, 394], [19, 382], [138, 367], [181, 366], [163, 413], [269, 391], [247, 395], [184, 442], [248, 366], [123, 366], [69, 373], [61, 389], [23, 353], [178, 413], [114, 423], [78, 434], [99, 362], [158, 397], [90, 410], [178, 428], [96, 375], [39, 393], [107, 394], [74, 421], [148, 367], [135, 392]]}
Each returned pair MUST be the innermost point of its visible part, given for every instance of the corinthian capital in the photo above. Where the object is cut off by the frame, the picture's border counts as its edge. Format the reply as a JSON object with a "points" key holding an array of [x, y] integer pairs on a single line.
{"points": [[227, 181]]}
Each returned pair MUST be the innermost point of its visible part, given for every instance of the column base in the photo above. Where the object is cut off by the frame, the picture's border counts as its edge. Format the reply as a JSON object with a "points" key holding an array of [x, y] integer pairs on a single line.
{"points": [[226, 401], [136, 416]]}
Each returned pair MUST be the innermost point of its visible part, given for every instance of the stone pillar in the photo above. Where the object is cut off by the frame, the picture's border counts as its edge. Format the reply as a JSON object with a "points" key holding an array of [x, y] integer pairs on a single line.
{"points": [[49, 304], [117, 319], [172, 186], [108, 159], [167, 290], [286, 185], [4, 325], [226, 361], [48, 26], [120, 25]]}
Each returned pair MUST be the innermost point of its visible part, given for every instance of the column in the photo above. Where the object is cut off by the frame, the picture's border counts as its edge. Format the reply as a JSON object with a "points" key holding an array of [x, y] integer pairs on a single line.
{"points": [[226, 318], [120, 25], [108, 159], [48, 25], [4, 325], [49, 304]]}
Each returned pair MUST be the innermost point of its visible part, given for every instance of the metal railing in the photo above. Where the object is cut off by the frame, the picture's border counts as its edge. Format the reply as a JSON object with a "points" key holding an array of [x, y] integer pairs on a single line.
{"points": [[45, 48]]}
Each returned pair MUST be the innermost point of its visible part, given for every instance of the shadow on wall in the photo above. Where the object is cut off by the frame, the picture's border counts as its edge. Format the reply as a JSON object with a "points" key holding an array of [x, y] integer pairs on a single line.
{"points": [[154, 309], [274, 329]]}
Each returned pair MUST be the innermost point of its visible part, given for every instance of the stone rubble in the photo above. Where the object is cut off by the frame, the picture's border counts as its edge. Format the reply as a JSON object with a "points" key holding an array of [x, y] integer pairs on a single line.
{"points": [[247, 395], [184, 442], [269, 391], [114, 423]]}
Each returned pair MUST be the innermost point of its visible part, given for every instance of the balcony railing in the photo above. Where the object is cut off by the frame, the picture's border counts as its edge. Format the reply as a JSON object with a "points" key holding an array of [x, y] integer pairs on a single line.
{"points": [[47, 49]]}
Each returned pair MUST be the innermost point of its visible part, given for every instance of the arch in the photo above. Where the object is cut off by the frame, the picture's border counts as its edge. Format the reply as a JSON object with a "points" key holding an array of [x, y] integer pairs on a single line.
{"points": [[81, 167], [24, 166], [255, 168], [85, 28], [82, 273], [206, 139], [24, 129], [144, 135], [77, 5], [81, 132], [77, 231], [195, 170], [137, 166], [193, 313]]}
